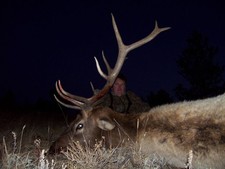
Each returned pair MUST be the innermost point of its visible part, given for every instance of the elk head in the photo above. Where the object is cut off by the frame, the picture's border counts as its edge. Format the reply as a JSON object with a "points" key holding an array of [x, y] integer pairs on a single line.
{"points": [[94, 120]]}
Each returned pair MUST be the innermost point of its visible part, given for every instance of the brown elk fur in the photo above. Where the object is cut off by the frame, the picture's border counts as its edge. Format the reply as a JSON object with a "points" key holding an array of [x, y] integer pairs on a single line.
{"points": [[170, 130]]}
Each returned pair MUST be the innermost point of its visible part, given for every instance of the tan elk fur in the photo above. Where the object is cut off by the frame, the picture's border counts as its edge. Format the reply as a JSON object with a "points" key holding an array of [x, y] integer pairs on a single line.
{"points": [[175, 129]]}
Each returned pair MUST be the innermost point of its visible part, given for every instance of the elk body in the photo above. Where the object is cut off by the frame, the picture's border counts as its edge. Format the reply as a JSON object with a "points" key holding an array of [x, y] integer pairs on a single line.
{"points": [[170, 131]]}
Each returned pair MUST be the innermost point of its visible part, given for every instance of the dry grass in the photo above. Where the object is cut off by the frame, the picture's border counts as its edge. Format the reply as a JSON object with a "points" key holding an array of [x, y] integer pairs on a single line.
{"points": [[77, 157], [24, 147]]}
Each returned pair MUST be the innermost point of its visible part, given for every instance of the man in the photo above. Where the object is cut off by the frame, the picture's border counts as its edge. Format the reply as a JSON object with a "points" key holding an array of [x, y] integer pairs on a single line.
{"points": [[123, 101]]}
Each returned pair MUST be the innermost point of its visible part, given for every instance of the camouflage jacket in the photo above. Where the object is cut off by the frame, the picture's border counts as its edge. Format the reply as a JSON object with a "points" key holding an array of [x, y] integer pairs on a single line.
{"points": [[129, 103]]}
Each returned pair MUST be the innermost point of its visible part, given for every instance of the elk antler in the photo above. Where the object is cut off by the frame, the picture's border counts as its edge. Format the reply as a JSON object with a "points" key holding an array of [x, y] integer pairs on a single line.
{"points": [[85, 103]]}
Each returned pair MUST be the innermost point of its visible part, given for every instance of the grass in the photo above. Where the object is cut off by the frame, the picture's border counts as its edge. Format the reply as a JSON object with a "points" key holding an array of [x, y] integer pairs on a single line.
{"points": [[26, 140], [78, 157]]}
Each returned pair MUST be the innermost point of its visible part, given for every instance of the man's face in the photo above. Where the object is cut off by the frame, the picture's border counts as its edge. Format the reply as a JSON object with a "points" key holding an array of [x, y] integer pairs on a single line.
{"points": [[119, 87]]}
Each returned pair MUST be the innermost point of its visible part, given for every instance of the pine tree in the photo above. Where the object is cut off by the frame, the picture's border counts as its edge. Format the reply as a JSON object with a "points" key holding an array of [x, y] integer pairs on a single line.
{"points": [[197, 65]]}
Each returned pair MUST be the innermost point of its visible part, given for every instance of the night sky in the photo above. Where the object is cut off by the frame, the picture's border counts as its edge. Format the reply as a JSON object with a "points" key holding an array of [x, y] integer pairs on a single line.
{"points": [[43, 41]]}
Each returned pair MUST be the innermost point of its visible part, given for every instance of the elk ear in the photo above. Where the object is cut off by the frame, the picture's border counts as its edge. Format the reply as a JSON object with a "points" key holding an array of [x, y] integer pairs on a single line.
{"points": [[105, 124]]}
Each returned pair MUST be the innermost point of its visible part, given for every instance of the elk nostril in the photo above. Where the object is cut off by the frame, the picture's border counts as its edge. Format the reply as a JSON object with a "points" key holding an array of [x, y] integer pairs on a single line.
{"points": [[53, 149]]}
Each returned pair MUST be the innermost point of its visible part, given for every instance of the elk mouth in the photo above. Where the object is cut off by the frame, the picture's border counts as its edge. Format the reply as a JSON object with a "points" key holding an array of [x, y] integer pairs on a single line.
{"points": [[56, 149]]}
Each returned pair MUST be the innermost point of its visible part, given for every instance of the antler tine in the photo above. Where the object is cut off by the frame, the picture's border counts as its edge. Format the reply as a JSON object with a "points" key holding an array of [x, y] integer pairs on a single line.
{"points": [[78, 98], [75, 100], [93, 89], [67, 105], [99, 69], [109, 69], [148, 38]]}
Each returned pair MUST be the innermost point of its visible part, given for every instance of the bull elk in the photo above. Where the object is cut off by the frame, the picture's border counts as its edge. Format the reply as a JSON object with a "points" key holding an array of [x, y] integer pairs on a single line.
{"points": [[170, 130]]}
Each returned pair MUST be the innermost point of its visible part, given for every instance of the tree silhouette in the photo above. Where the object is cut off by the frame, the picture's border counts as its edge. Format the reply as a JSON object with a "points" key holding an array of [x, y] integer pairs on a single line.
{"points": [[158, 98], [197, 65], [8, 101]]}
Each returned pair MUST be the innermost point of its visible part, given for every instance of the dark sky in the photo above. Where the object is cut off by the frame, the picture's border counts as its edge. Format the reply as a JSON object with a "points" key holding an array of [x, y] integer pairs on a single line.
{"points": [[43, 41]]}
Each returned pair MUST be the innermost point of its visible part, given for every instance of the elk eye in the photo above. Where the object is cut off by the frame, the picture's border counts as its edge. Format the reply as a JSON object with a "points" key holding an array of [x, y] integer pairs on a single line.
{"points": [[79, 126]]}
